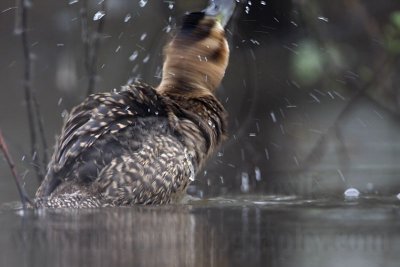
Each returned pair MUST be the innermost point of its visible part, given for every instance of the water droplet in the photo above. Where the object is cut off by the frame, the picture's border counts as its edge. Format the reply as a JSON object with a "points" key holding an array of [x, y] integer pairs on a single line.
{"points": [[398, 196], [143, 36], [247, 9], [341, 175], [257, 171], [351, 193], [117, 49], [168, 28], [99, 15], [146, 59], [71, 2], [263, 3], [21, 212], [255, 42], [323, 18], [130, 80], [245, 182], [127, 17], [273, 116], [64, 113], [133, 56], [266, 153], [142, 3]]}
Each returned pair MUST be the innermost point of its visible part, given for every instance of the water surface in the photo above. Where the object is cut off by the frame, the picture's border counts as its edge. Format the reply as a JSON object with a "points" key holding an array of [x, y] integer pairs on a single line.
{"points": [[245, 231]]}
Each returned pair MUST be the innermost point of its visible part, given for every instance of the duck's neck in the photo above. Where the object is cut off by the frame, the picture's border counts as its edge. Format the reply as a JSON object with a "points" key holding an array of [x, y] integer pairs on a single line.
{"points": [[183, 87]]}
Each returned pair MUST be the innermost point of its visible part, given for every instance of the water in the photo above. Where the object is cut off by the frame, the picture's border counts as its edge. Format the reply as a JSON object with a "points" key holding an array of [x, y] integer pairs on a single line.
{"points": [[99, 15], [250, 231]]}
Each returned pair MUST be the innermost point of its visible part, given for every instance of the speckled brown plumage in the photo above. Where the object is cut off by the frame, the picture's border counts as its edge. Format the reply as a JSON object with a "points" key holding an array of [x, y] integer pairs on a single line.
{"points": [[144, 145]]}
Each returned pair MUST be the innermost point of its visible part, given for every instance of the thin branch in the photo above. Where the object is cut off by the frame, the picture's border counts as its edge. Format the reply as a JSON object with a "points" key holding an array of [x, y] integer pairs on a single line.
{"points": [[317, 151], [21, 27], [18, 181], [91, 44], [85, 34], [42, 135], [95, 49]]}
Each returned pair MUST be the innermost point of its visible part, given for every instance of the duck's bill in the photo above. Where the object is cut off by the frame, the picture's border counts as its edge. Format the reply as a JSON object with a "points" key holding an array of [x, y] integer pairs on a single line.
{"points": [[222, 10]]}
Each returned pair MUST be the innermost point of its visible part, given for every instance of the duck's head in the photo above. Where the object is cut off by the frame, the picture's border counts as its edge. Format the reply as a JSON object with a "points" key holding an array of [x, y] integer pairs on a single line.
{"points": [[197, 57]]}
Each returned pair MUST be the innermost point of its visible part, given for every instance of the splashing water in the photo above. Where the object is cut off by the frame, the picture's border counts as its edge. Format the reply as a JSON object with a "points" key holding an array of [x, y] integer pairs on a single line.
{"points": [[168, 28], [245, 182], [273, 117], [323, 18], [64, 113], [257, 172], [133, 56], [127, 17], [351, 193], [142, 3], [99, 15], [146, 59]]}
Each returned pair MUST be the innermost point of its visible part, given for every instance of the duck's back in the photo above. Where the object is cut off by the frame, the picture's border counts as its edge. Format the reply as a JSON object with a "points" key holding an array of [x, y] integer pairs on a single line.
{"points": [[117, 149]]}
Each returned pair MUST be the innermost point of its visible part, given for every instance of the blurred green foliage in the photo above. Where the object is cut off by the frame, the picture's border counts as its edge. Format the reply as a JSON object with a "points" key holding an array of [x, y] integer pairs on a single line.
{"points": [[307, 63], [392, 33]]}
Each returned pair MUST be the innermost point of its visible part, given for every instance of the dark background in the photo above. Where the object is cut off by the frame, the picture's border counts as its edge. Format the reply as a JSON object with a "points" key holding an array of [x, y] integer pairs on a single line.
{"points": [[312, 88]]}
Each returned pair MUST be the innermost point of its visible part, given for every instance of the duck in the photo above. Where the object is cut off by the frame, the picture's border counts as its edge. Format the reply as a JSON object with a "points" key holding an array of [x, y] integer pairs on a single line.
{"points": [[143, 144]]}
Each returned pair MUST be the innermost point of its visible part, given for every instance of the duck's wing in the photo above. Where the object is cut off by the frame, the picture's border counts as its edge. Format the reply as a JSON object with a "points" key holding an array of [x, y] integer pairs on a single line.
{"points": [[99, 115]]}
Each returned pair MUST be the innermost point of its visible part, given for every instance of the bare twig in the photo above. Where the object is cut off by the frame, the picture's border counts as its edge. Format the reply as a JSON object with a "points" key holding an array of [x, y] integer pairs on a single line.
{"points": [[95, 49], [85, 34], [42, 135], [18, 181], [91, 43], [22, 20], [317, 150]]}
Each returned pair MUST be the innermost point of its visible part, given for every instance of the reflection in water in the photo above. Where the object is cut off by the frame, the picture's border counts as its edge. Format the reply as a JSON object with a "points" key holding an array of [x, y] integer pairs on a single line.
{"points": [[167, 236], [214, 233]]}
